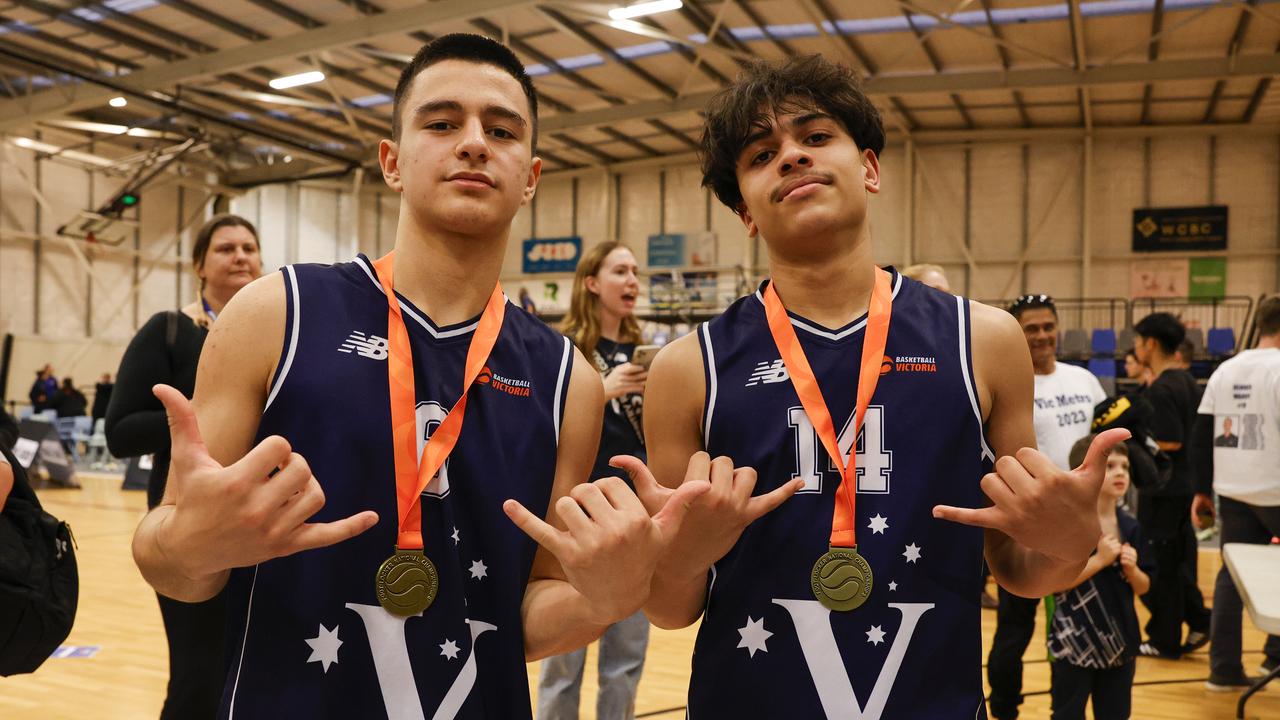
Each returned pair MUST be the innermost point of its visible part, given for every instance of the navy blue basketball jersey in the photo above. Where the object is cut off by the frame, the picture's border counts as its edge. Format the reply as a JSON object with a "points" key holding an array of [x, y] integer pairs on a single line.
{"points": [[308, 637], [766, 647]]}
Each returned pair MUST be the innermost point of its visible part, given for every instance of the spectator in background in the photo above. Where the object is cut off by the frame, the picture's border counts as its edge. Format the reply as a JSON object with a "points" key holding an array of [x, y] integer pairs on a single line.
{"points": [[44, 391], [601, 322], [1065, 396], [1135, 370], [102, 396], [526, 301], [1241, 466], [929, 274], [71, 402], [1174, 598], [167, 350]]}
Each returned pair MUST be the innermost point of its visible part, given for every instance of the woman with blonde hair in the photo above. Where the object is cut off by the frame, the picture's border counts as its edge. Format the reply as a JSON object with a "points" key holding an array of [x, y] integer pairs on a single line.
{"points": [[601, 322]]}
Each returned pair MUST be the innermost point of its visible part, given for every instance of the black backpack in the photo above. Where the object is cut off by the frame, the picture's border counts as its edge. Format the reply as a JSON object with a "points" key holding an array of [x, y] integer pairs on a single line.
{"points": [[1150, 468], [39, 584]]}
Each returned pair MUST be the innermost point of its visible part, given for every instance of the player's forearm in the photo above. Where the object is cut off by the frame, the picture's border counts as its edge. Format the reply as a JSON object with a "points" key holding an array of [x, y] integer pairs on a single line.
{"points": [[161, 566], [557, 620], [676, 600], [1094, 566], [1029, 573], [1138, 580]]}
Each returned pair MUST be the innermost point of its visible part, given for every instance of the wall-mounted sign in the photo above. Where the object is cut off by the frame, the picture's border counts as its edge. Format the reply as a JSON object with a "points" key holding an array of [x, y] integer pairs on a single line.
{"points": [[666, 250], [1158, 278], [1180, 229], [1207, 278], [550, 255]]}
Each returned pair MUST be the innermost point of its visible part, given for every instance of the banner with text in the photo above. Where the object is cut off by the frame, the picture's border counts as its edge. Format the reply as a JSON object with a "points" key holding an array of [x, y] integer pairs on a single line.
{"points": [[551, 255], [1180, 229]]}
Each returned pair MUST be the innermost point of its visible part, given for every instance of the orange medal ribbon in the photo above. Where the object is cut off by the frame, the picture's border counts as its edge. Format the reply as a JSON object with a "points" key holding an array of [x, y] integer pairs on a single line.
{"points": [[815, 407], [413, 474]]}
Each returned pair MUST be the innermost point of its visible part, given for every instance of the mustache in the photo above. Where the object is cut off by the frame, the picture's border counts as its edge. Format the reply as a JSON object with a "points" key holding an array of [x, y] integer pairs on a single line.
{"points": [[787, 185]]}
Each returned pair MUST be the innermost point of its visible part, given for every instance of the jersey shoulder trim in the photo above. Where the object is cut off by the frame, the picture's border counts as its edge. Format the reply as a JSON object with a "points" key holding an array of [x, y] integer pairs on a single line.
{"points": [[292, 324]]}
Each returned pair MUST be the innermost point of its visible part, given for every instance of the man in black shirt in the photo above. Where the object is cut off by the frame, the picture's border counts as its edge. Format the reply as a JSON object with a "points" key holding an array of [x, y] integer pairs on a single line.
{"points": [[1163, 511]]}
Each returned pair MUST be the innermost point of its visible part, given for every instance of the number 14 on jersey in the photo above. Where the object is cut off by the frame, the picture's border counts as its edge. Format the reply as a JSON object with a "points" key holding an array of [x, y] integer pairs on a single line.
{"points": [[874, 461]]}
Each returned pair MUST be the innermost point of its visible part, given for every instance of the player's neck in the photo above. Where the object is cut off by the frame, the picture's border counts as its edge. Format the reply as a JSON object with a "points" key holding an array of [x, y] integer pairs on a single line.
{"points": [[832, 288], [450, 278], [1269, 341], [610, 325], [1046, 366], [1159, 363]]}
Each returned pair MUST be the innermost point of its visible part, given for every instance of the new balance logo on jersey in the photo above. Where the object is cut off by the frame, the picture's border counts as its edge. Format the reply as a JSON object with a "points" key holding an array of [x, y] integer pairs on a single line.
{"points": [[768, 372], [370, 346]]}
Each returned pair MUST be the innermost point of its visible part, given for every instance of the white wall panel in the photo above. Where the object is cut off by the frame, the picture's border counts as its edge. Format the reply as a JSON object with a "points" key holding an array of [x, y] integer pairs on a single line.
{"points": [[1245, 181], [273, 227], [888, 229], [1179, 171], [1116, 190], [640, 208], [939, 207], [555, 208], [595, 219], [158, 223], [317, 225], [17, 253]]}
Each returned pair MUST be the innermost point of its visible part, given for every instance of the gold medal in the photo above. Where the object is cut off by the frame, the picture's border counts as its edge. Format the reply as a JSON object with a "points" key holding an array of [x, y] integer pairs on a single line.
{"points": [[841, 579], [407, 583]]}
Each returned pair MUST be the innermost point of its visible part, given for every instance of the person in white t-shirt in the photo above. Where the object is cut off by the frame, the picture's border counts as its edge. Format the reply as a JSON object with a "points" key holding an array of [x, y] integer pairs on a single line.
{"points": [[1065, 396], [1237, 446]]}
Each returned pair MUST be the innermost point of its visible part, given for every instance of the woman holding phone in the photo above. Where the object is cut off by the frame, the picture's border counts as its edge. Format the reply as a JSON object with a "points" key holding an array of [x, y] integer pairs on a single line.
{"points": [[601, 322]]}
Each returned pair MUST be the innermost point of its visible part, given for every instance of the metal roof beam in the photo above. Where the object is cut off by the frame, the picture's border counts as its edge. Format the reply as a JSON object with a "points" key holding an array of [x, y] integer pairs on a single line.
{"points": [[1186, 69], [16, 113]]}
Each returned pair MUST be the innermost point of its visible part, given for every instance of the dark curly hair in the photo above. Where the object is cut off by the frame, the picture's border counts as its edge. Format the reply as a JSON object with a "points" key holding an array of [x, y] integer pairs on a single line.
{"points": [[765, 89]]}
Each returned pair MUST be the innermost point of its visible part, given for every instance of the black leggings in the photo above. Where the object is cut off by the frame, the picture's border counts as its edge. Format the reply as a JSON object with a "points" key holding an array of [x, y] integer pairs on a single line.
{"points": [[197, 664]]}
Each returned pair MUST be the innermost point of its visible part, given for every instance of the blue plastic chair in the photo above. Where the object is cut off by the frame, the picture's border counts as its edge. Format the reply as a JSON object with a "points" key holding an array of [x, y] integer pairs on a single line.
{"points": [[1104, 341], [1222, 341], [1103, 367]]}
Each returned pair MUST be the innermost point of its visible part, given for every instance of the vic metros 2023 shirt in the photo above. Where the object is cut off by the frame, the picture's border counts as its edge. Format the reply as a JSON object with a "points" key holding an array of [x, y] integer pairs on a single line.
{"points": [[307, 637], [766, 648]]}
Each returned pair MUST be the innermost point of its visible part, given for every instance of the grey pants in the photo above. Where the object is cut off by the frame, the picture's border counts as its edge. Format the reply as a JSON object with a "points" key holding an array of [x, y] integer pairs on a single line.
{"points": [[1241, 523], [622, 649]]}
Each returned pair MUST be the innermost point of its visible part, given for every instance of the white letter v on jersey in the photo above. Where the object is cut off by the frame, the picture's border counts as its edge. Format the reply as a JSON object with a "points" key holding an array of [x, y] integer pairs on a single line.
{"points": [[818, 641]]}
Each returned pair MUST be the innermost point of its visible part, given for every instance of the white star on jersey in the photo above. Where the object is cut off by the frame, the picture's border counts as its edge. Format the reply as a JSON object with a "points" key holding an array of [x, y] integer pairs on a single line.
{"points": [[754, 636], [324, 647], [449, 649], [893, 585], [878, 524], [478, 570], [455, 537], [911, 553], [875, 635]]}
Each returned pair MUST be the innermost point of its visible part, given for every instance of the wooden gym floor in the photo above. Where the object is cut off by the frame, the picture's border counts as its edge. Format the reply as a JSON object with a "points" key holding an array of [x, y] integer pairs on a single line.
{"points": [[126, 677]]}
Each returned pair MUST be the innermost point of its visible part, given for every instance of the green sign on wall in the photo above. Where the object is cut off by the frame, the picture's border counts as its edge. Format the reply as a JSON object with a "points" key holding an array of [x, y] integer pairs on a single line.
{"points": [[1207, 278]]}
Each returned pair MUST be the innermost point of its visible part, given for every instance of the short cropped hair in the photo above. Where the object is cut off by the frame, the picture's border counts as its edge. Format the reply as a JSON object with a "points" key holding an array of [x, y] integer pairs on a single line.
{"points": [[470, 48], [1268, 321], [1168, 331], [1081, 449], [1031, 302], [772, 88]]}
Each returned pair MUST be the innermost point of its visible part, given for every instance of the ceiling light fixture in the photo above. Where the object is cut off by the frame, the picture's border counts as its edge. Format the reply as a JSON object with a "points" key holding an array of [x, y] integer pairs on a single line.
{"points": [[644, 8], [117, 102], [288, 81]]}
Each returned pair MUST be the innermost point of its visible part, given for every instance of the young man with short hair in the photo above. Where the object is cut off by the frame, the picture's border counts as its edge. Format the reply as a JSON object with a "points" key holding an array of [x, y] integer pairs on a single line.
{"points": [[1241, 467], [858, 595], [392, 583], [1175, 597]]}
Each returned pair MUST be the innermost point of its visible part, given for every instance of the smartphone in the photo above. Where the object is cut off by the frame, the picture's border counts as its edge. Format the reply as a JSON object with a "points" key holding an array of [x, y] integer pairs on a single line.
{"points": [[644, 355]]}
